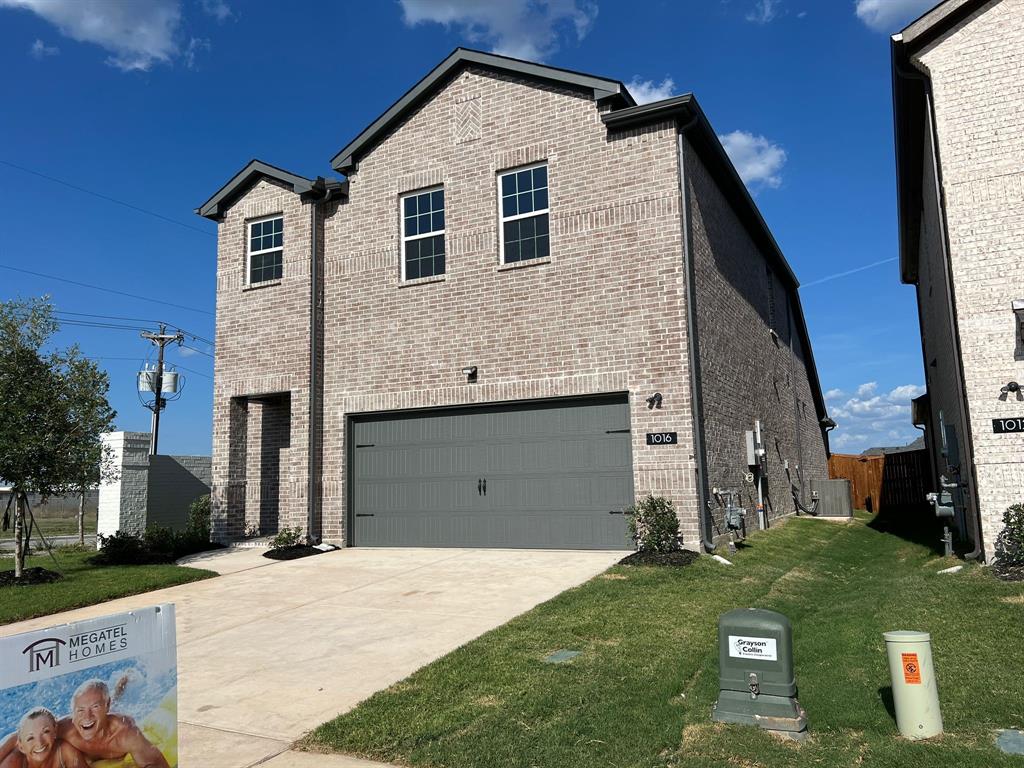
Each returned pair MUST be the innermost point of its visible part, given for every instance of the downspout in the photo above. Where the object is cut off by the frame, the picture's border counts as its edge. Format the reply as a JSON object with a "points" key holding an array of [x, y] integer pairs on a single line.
{"points": [[689, 280], [314, 352], [947, 265]]}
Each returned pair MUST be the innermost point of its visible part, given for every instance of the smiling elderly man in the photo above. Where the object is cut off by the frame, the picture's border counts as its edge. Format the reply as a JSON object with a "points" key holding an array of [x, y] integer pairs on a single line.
{"points": [[97, 732], [38, 745]]}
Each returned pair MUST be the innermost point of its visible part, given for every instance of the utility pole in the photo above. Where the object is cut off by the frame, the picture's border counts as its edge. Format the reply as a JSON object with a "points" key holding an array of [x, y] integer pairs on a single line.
{"points": [[161, 339]]}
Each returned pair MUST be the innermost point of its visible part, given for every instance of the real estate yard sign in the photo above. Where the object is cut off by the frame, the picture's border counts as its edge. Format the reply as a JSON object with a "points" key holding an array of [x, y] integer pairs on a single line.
{"points": [[98, 690]]}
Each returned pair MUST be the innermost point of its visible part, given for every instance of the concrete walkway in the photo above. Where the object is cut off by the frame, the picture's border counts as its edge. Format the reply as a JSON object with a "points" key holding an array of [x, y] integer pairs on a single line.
{"points": [[269, 650]]}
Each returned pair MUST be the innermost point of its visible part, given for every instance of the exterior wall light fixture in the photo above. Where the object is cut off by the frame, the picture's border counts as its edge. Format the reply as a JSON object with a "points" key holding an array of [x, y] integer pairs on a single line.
{"points": [[470, 373]]}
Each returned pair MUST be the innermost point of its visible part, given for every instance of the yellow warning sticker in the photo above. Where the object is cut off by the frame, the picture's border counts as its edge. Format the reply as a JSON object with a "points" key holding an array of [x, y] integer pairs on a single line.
{"points": [[911, 669]]}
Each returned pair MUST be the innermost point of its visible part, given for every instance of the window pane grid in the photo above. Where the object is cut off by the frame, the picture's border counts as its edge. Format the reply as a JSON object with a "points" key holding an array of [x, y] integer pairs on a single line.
{"points": [[423, 234], [524, 214], [266, 244], [423, 214]]}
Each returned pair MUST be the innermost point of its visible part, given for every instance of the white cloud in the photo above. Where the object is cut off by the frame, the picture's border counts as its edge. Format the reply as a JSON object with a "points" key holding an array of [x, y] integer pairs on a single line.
{"points": [[758, 161], [136, 34], [41, 50], [906, 392], [646, 91], [187, 351], [890, 16], [871, 419], [194, 47], [524, 29], [219, 9], [868, 388], [764, 11]]}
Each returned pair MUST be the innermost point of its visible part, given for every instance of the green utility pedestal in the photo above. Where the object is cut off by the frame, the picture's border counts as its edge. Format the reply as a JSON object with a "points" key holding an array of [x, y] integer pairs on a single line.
{"points": [[757, 684]]}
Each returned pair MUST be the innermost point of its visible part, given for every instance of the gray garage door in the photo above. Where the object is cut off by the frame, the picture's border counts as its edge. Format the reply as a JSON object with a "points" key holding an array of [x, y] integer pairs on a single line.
{"points": [[541, 475]]}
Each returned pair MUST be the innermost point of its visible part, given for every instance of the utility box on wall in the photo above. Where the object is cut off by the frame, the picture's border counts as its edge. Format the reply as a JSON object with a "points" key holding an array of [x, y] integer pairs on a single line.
{"points": [[756, 678]]}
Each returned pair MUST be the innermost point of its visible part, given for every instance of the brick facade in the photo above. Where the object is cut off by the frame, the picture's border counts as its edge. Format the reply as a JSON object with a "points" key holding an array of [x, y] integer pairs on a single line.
{"points": [[976, 71], [605, 313]]}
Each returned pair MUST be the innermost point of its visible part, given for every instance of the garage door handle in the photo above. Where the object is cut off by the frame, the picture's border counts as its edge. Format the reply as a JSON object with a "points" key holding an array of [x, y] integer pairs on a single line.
{"points": [[616, 512], [364, 514], [485, 486], [616, 431], [479, 487]]}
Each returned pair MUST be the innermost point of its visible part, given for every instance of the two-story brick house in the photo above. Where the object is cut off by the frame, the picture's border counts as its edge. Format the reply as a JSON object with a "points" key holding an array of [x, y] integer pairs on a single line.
{"points": [[958, 93], [530, 302]]}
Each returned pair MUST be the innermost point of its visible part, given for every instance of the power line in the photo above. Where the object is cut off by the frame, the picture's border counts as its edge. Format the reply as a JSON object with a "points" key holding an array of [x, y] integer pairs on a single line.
{"points": [[184, 331], [106, 290], [197, 351], [101, 196], [190, 370]]}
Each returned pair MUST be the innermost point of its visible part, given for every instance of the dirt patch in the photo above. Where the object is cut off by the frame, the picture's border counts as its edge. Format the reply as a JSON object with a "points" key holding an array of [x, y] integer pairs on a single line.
{"points": [[677, 559], [614, 576], [29, 577], [487, 701], [292, 553], [1013, 600]]}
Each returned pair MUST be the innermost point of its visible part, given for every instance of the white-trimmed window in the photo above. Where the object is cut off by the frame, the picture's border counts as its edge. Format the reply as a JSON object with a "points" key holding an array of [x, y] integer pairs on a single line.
{"points": [[524, 214], [422, 233], [266, 249]]}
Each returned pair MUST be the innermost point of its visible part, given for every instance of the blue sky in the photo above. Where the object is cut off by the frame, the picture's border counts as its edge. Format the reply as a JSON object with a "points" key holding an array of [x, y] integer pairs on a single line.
{"points": [[154, 104]]}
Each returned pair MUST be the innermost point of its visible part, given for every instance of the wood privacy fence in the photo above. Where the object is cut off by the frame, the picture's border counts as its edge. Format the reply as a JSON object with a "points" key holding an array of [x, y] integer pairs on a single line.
{"points": [[895, 481]]}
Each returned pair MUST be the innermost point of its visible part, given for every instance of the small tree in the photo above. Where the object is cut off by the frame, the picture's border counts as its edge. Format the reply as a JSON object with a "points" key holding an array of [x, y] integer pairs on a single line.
{"points": [[41, 423]]}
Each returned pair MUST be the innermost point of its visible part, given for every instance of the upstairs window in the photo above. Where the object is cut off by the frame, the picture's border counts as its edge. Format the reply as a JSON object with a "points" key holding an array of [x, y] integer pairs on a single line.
{"points": [[266, 249], [422, 234], [524, 214]]}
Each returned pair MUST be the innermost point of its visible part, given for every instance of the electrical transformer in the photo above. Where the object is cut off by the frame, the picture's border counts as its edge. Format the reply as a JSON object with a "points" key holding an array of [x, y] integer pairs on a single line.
{"points": [[756, 678]]}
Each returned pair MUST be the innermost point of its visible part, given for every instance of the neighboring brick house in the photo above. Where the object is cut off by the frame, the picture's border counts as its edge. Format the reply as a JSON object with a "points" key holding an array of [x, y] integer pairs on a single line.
{"points": [[958, 85], [500, 313]]}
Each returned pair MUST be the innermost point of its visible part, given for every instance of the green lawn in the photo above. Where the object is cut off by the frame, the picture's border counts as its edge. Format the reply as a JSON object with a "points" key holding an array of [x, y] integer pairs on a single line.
{"points": [[641, 692], [56, 525], [85, 584]]}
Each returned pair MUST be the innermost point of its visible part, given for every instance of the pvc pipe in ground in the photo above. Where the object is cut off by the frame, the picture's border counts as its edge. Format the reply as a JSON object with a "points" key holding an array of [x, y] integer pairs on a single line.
{"points": [[915, 693]]}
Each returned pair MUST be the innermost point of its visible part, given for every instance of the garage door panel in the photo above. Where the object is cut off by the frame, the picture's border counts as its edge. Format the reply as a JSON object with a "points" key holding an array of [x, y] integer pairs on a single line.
{"points": [[553, 472]]}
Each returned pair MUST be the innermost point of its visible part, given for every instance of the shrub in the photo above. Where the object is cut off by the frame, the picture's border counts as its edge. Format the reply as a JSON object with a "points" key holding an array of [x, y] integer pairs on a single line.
{"points": [[287, 537], [124, 548], [653, 525], [1010, 543], [198, 522]]}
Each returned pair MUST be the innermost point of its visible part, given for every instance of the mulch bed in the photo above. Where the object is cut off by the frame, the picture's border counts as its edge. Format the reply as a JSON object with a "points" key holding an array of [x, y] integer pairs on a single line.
{"points": [[678, 559], [29, 576], [292, 553], [1009, 572]]}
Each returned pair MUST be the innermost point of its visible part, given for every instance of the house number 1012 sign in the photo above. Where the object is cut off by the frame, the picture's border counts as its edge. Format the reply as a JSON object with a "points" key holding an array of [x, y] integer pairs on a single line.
{"points": [[1001, 426], [662, 438]]}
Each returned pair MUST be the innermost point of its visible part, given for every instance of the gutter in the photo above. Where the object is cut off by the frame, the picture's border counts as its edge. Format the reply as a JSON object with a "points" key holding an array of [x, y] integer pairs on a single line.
{"points": [[689, 280], [326, 190]]}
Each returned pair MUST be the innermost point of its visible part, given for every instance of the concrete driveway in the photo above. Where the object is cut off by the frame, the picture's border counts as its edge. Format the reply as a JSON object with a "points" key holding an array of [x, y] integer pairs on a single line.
{"points": [[269, 650]]}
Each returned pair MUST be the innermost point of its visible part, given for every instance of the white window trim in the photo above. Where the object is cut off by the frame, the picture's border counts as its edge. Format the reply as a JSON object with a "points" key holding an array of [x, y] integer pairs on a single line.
{"points": [[502, 218], [404, 239], [249, 253]]}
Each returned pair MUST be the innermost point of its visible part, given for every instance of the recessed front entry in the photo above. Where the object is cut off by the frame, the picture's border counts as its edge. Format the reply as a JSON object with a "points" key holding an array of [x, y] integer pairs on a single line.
{"points": [[544, 475]]}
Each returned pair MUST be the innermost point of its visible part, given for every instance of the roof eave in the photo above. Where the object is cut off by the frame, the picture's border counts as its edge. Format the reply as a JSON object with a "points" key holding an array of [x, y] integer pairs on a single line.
{"points": [[685, 110], [254, 170]]}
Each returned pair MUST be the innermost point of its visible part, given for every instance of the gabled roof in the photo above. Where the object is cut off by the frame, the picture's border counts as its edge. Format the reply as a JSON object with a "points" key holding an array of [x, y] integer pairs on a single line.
{"points": [[256, 169], [601, 89], [911, 90]]}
